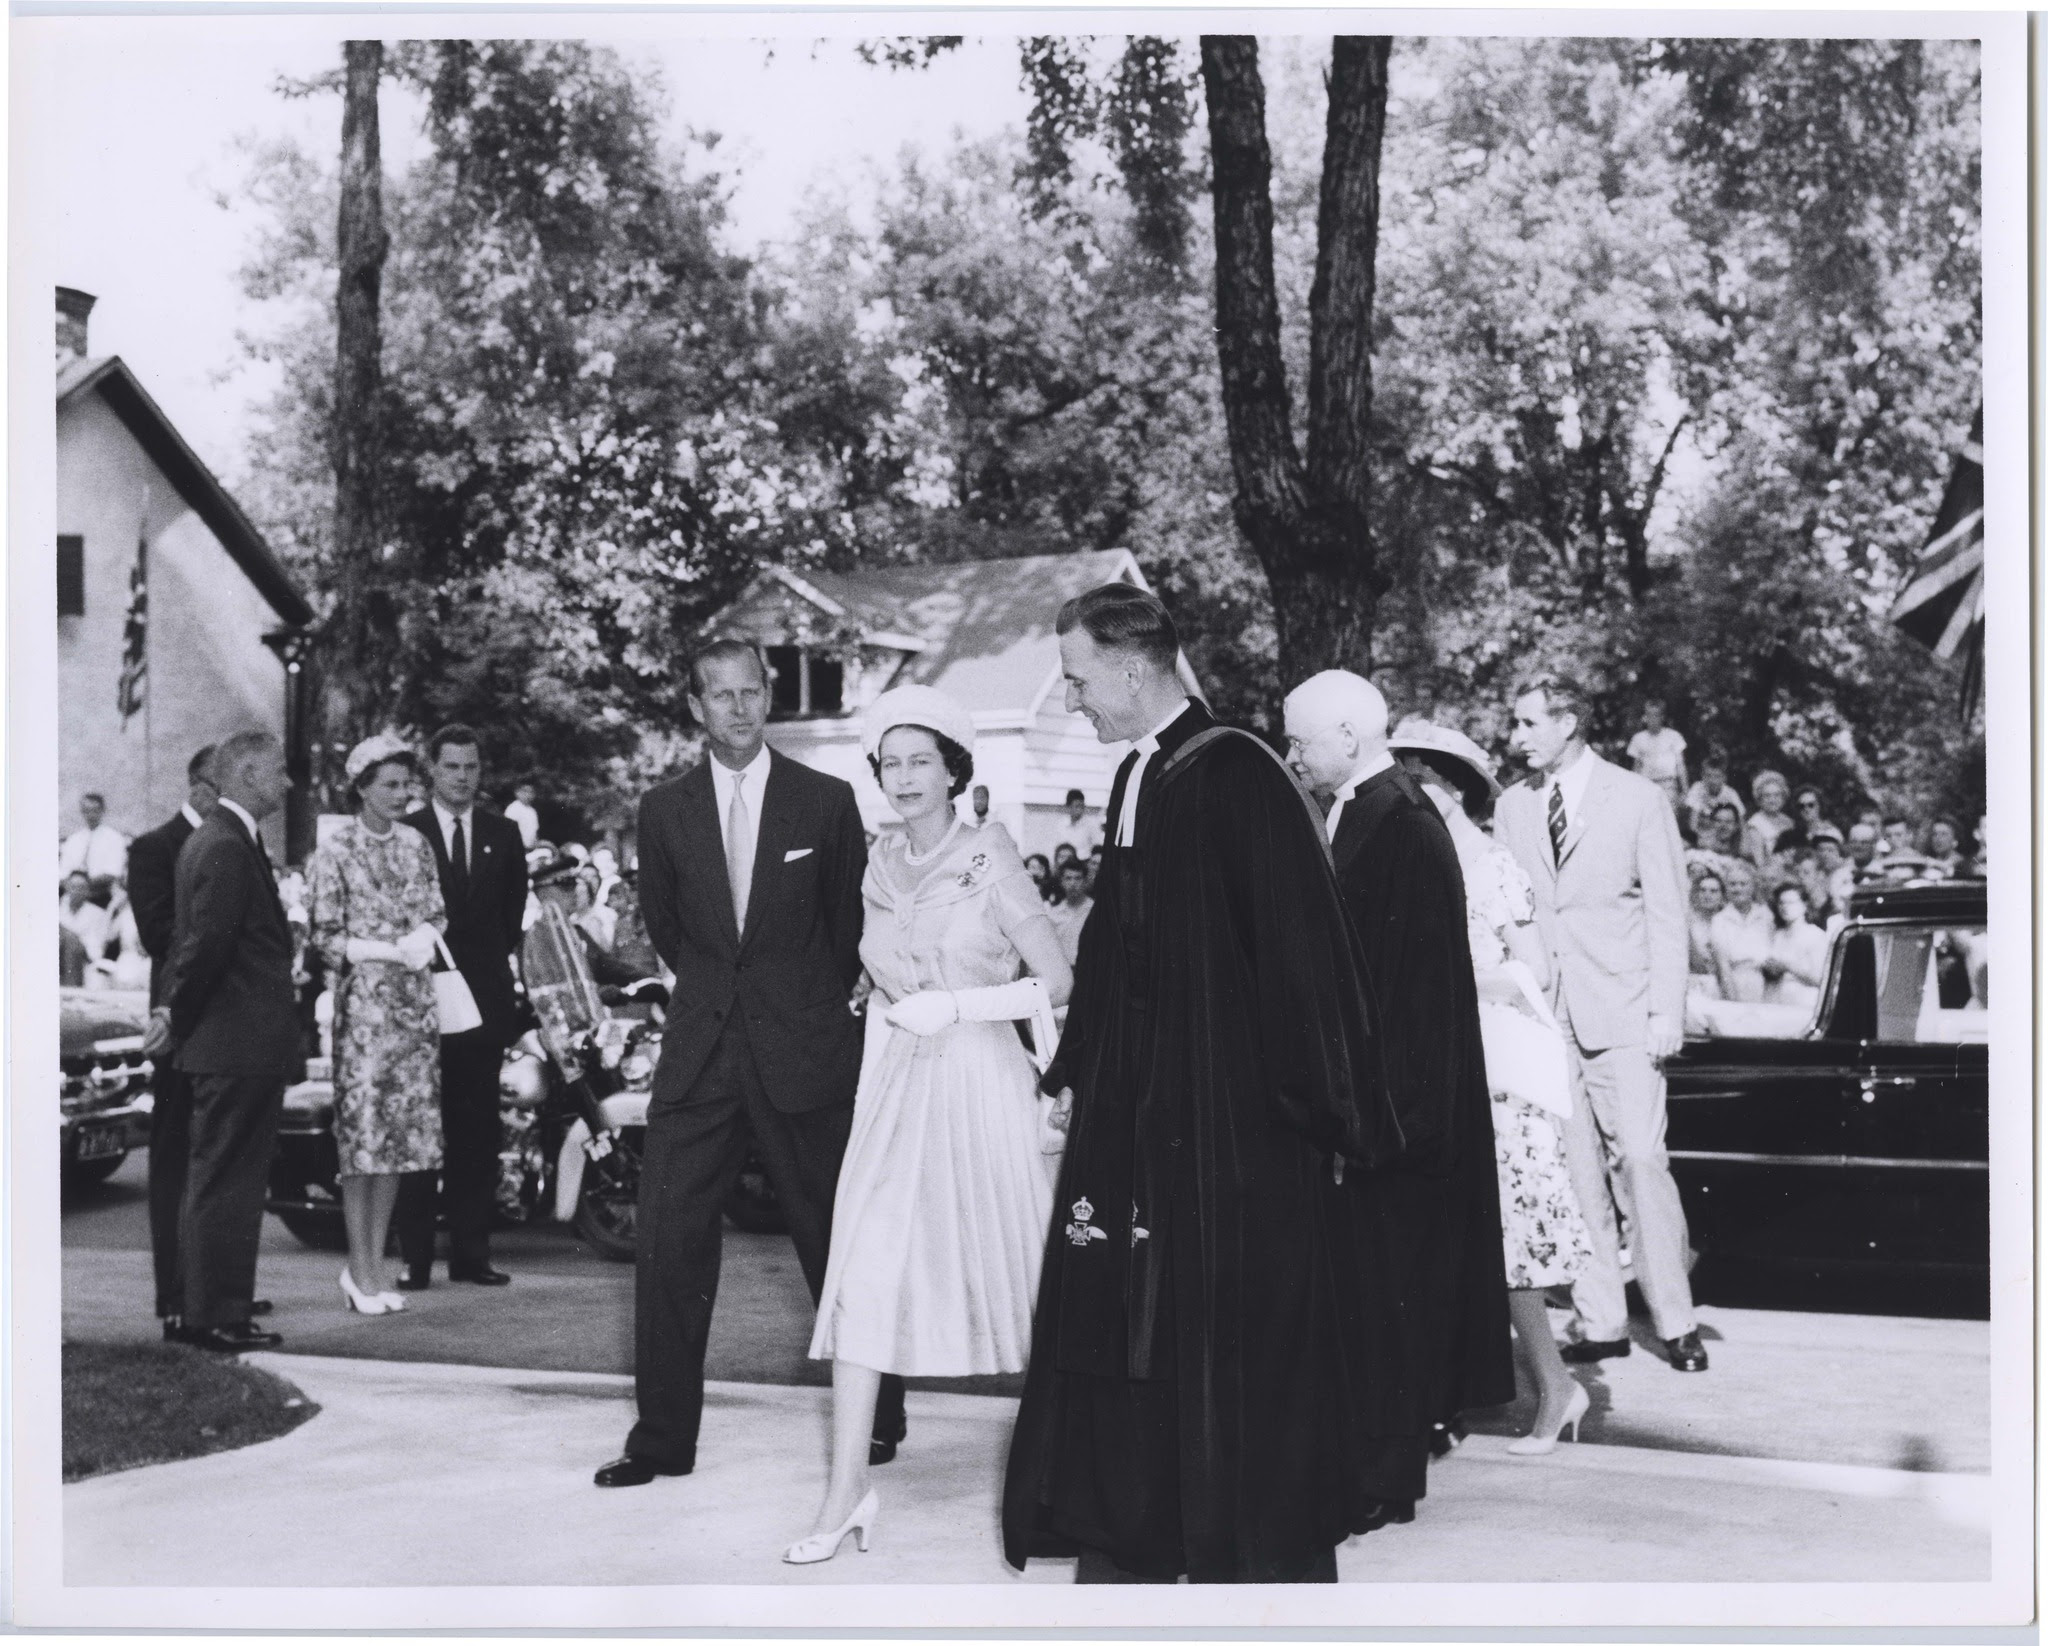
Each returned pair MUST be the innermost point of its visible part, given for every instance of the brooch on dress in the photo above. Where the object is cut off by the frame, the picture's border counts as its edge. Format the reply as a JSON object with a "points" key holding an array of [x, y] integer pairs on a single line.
{"points": [[975, 865], [1082, 1229]]}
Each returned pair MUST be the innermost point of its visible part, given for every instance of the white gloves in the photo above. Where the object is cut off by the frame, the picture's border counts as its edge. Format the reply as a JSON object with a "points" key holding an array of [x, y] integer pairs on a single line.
{"points": [[415, 949], [937, 1009], [362, 949]]}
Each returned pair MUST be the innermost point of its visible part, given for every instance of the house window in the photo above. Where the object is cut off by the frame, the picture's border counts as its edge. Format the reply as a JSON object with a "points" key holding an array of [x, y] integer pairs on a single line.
{"points": [[803, 683], [70, 576]]}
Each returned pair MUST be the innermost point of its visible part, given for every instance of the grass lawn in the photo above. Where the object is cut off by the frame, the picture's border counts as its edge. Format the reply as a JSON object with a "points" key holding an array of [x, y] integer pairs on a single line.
{"points": [[127, 1404]]}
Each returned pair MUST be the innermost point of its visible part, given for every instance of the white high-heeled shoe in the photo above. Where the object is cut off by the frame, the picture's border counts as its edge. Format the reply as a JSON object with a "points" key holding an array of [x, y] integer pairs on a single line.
{"points": [[1541, 1445], [808, 1551], [364, 1303], [392, 1301]]}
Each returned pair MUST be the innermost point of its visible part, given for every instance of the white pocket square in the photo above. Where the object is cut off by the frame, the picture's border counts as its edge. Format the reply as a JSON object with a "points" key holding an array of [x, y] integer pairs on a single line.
{"points": [[801, 851]]}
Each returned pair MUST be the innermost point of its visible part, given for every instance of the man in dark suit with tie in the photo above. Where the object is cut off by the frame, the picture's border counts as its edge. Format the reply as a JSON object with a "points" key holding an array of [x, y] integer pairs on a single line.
{"points": [[228, 1008], [750, 885], [152, 893], [482, 862]]}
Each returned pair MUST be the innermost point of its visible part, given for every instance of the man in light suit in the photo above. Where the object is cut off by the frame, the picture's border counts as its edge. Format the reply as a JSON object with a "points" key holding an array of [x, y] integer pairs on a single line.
{"points": [[750, 884], [1601, 848]]}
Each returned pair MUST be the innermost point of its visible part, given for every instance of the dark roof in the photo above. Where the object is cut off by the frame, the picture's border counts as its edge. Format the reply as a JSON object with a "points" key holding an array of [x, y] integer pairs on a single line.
{"points": [[984, 627], [192, 479], [1960, 901]]}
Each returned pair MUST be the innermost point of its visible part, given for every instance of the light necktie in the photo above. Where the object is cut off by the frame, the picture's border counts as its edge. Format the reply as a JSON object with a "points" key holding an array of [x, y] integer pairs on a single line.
{"points": [[1127, 819], [1556, 824], [739, 849]]}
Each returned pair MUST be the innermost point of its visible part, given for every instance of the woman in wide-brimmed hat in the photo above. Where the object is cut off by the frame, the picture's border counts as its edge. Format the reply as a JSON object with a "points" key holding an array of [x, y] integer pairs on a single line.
{"points": [[374, 899], [1542, 1228]]}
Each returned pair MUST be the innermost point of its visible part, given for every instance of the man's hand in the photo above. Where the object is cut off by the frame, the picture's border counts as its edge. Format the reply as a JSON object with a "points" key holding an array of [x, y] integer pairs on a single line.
{"points": [[1061, 1115], [925, 1013], [1667, 1034], [156, 1040]]}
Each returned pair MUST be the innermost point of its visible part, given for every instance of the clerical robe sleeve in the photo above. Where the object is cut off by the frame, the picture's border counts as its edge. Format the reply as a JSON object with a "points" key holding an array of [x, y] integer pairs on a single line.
{"points": [[1314, 1012]]}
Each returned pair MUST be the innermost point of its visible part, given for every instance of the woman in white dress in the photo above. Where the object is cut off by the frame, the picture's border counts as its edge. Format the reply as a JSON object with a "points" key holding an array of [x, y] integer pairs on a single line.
{"points": [[1543, 1232], [1797, 964], [945, 1193], [1741, 935]]}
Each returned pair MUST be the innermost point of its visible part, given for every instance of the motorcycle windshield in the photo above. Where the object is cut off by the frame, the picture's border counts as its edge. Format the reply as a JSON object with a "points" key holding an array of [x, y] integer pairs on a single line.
{"points": [[558, 983]]}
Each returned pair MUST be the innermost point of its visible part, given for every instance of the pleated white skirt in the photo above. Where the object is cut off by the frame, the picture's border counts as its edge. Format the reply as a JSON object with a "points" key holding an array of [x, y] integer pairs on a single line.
{"points": [[944, 1200]]}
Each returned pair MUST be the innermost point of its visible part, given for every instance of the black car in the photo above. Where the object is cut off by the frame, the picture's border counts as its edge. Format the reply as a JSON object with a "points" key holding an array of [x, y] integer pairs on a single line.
{"points": [[1851, 1136], [104, 1103]]}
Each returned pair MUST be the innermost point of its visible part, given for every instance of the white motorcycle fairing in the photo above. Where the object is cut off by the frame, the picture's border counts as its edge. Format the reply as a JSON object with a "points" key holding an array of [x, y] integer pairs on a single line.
{"points": [[620, 1110]]}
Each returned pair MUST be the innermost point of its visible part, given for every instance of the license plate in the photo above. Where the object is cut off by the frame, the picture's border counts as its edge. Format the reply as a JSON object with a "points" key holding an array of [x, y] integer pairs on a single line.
{"points": [[101, 1142]]}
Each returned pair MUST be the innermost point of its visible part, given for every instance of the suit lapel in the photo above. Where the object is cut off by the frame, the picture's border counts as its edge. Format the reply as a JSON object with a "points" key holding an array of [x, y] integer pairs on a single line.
{"points": [[705, 843], [1591, 803]]}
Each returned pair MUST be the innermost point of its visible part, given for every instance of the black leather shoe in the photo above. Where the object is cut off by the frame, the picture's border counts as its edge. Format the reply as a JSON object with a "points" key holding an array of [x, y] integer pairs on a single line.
{"points": [[174, 1329], [1589, 1349], [260, 1306], [1687, 1353], [635, 1471], [1388, 1512], [414, 1280], [230, 1340], [482, 1275], [882, 1448]]}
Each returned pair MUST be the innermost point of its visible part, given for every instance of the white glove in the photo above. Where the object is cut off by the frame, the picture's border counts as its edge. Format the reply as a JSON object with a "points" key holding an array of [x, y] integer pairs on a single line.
{"points": [[1003, 1002], [361, 949], [925, 1013], [417, 947]]}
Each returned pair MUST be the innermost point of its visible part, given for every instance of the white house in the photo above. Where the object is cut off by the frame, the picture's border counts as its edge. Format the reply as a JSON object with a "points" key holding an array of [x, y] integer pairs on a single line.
{"points": [[176, 623], [980, 630]]}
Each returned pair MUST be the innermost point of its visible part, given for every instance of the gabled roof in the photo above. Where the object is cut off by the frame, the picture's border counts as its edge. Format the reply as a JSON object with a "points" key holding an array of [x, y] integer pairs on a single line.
{"points": [[193, 480], [981, 630]]}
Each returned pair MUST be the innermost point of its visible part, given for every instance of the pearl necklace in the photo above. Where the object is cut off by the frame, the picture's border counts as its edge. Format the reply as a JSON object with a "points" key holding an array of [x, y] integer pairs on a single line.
{"points": [[910, 855]]}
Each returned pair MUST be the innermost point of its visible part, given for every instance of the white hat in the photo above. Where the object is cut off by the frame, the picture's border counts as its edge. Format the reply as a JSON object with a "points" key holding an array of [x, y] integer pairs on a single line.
{"points": [[924, 706], [1426, 737], [373, 750]]}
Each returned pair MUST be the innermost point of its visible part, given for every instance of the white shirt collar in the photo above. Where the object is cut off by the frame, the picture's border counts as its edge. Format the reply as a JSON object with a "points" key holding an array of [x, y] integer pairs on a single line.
{"points": [[450, 819], [1149, 743], [1383, 761], [190, 815], [1571, 782], [755, 771], [248, 822]]}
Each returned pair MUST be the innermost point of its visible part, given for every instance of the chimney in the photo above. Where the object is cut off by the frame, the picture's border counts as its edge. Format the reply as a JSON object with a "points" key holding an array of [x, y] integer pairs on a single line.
{"points": [[73, 306]]}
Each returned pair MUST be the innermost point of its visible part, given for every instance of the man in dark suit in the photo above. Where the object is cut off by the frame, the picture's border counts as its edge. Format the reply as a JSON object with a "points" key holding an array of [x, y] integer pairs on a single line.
{"points": [[750, 875], [1426, 1280], [152, 893], [483, 883], [227, 1006]]}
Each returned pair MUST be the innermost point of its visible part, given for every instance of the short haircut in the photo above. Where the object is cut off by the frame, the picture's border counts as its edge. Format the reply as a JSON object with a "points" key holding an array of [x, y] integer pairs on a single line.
{"points": [[230, 752], [725, 646], [1778, 897], [1715, 757], [1123, 617], [959, 763], [94, 796], [1562, 697], [1902, 822], [1039, 859], [1803, 791], [1726, 808], [199, 769], [1703, 875], [456, 736], [1074, 795], [1072, 856], [1654, 703]]}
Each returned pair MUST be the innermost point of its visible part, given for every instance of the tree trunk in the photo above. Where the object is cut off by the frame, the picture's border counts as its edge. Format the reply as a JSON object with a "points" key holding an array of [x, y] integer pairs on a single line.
{"points": [[1310, 524], [364, 634]]}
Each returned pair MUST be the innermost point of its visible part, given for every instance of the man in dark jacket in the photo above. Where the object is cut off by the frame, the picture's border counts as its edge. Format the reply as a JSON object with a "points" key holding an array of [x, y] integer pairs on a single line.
{"points": [[152, 893], [750, 875], [482, 863], [227, 1006], [1429, 1329]]}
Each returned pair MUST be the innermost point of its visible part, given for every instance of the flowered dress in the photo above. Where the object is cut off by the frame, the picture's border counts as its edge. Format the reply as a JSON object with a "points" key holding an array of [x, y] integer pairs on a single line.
{"points": [[387, 1035], [1543, 1233], [945, 1193]]}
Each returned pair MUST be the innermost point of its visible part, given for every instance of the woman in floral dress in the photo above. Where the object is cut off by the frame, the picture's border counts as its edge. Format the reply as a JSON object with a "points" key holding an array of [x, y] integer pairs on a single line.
{"points": [[945, 1193], [1542, 1228], [375, 902]]}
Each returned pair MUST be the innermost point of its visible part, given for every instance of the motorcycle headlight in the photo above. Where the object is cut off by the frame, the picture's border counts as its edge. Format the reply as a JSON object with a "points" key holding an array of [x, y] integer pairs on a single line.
{"points": [[521, 1083], [637, 1069]]}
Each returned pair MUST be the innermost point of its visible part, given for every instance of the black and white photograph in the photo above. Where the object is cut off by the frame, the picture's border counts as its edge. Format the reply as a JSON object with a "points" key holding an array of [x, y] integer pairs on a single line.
{"points": [[830, 827]]}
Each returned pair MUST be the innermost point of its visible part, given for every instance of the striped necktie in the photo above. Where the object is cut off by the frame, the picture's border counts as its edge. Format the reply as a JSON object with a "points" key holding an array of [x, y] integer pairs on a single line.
{"points": [[1556, 824]]}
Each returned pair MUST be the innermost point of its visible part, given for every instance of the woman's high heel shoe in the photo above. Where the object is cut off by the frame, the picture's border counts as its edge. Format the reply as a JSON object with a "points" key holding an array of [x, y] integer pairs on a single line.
{"points": [[808, 1551], [394, 1302], [364, 1303], [1536, 1445]]}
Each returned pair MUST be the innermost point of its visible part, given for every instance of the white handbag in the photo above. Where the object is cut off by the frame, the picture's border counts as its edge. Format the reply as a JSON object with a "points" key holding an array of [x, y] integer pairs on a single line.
{"points": [[453, 1001], [1525, 1055]]}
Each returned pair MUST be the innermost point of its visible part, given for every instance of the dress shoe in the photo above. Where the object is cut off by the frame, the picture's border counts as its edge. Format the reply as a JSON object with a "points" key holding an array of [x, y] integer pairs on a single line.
{"points": [[635, 1471], [1386, 1512], [882, 1448], [360, 1301], [1687, 1353], [809, 1551], [481, 1274], [260, 1306], [174, 1329], [414, 1280], [1541, 1441], [230, 1340], [1589, 1349]]}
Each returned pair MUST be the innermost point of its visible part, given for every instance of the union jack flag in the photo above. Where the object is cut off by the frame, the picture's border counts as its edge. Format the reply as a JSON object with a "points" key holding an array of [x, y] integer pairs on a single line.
{"points": [[135, 643], [1942, 607]]}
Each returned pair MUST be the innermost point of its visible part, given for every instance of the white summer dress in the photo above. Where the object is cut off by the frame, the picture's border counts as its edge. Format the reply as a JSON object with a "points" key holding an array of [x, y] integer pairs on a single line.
{"points": [[945, 1194]]}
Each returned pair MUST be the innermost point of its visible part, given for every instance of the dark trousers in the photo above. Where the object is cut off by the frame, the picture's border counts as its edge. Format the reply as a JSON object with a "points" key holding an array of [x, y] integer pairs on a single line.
{"points": [[1097, 1567], [695, 1147], [233, 1128], [170, 1155], [470, 1065]]}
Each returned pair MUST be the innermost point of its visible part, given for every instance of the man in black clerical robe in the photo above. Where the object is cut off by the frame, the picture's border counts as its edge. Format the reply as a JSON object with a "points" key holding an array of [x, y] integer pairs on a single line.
{"points": [[1185, 1403], [1427, 1332]]}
